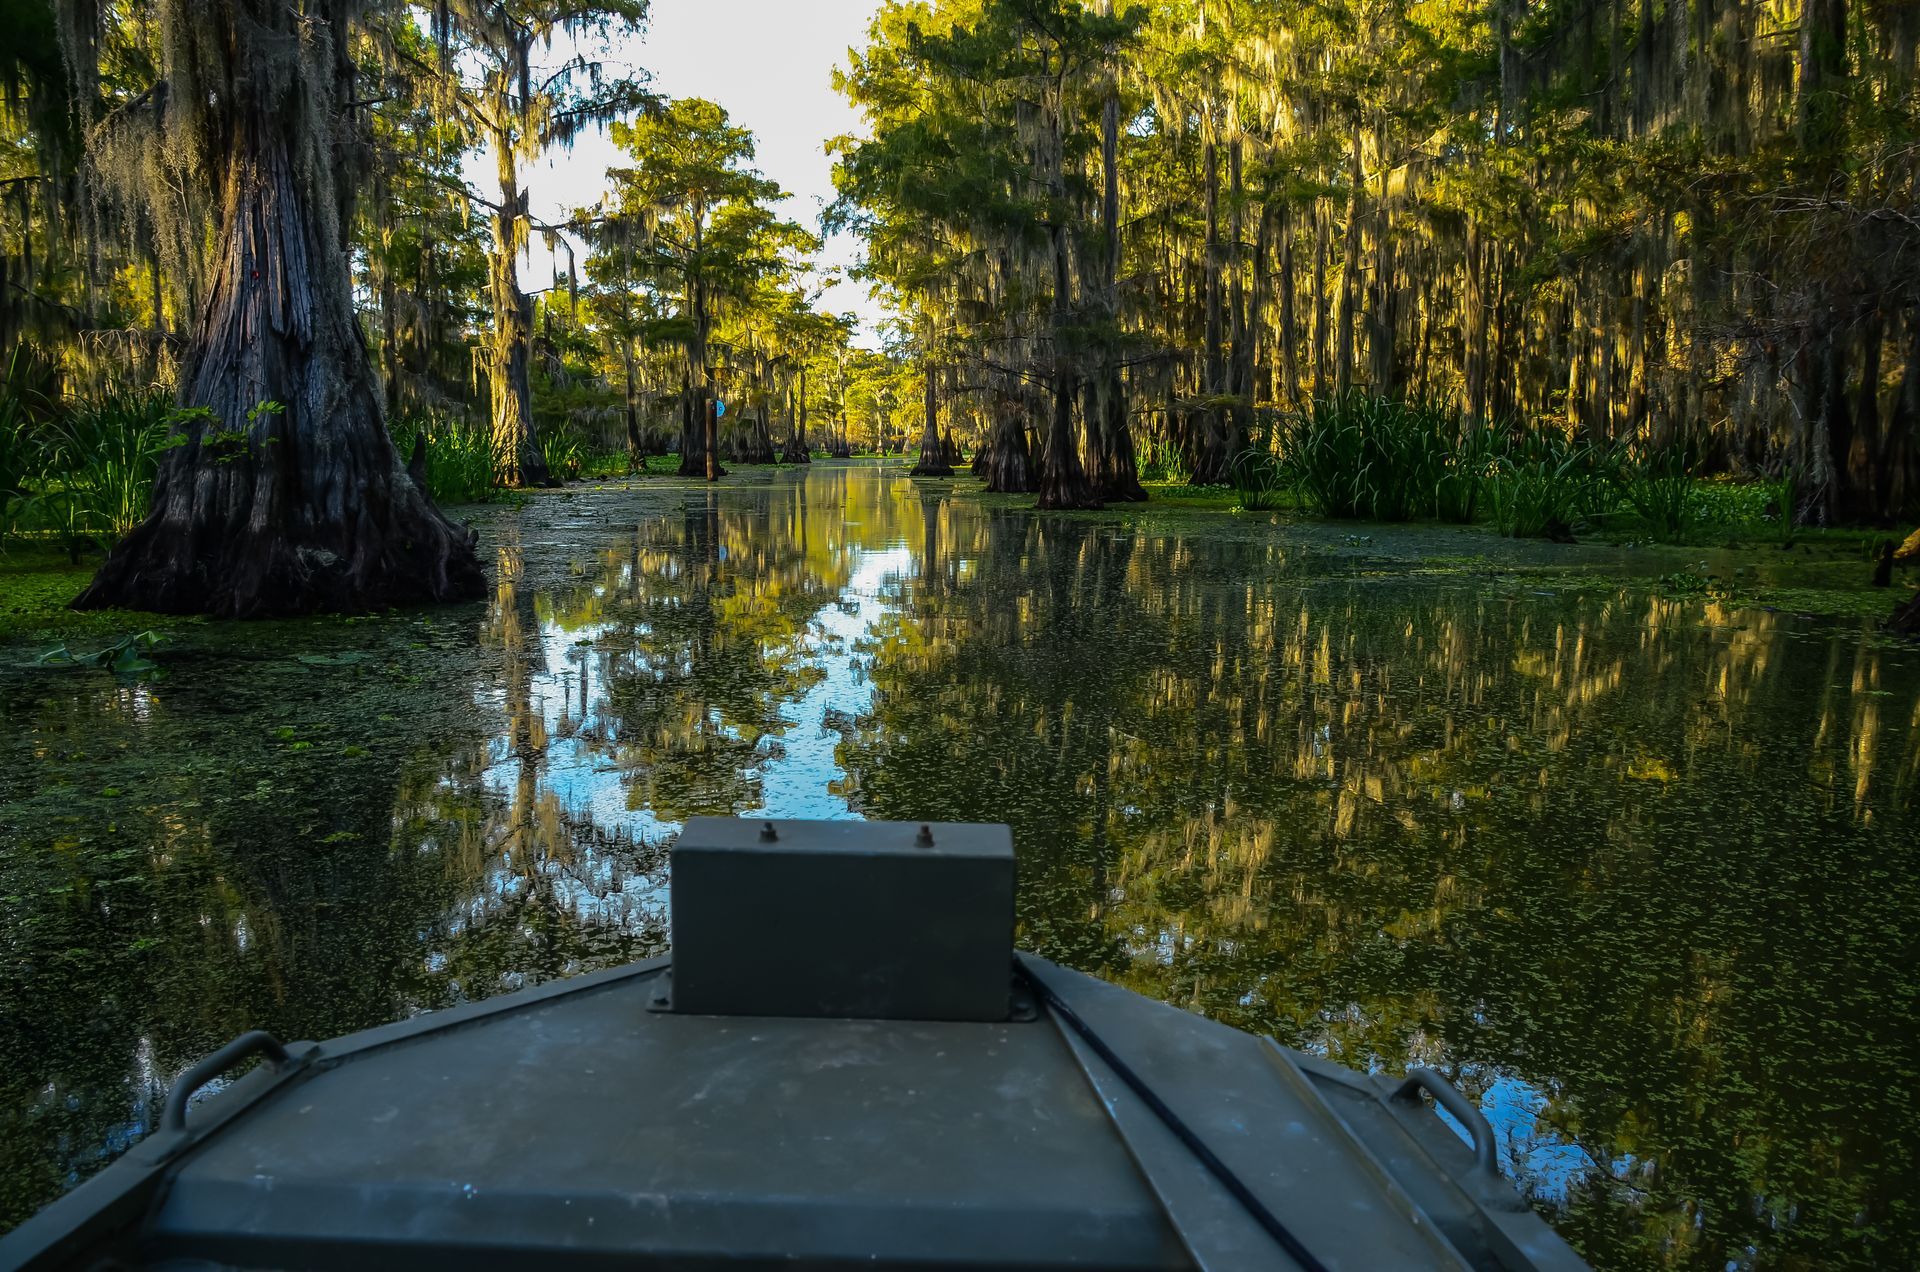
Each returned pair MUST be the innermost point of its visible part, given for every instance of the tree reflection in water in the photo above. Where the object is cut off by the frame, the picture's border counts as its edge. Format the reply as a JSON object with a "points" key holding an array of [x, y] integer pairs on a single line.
{"points": [[1639, 874]]}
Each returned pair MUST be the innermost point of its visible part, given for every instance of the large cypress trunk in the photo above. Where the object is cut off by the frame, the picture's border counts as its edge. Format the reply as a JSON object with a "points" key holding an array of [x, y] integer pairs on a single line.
{"points": [[1006, 462], [286, 496], [756, 447], [933, 451], [797, 451], [692, 439], [700, 438], [1118, 477], [1115, 471], [1063, 479]]}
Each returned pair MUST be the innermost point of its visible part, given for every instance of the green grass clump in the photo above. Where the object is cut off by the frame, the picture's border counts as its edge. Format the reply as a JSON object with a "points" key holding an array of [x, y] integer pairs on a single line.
{"points": [[608, 465], [1260, 478], [1659, 483], [1370, 458], [564, 454], [81, 472], [103, 454], [1159, 462], [1545, 485], [1460, 485], [17, 467], [459, 457]]}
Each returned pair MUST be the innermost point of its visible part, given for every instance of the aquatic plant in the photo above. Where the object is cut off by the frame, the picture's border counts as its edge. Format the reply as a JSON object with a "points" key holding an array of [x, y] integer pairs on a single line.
{"points": [[82, 472], [1734, 505], [125, 657], [458, 457], [1356, 456], [17, 460], [101, 458], [1260, 478], [1259, 474], [563, 453], [1469, 462], [1785, 492], [1545, 485], [27, 397], [1159, 460], [1659, 485]]}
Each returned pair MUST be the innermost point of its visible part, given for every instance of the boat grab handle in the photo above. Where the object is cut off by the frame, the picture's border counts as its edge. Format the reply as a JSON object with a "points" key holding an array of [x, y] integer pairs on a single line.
{"points": [[1448, 1097], [259, 1042]]}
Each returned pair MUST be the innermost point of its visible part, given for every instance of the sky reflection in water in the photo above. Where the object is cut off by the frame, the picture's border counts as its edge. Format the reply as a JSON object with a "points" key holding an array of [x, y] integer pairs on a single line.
{"points": [[1638, 873]]}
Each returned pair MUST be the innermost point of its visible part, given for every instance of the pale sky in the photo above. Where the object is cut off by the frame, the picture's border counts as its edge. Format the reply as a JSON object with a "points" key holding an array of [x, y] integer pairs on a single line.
{"points": [[770, 63]]}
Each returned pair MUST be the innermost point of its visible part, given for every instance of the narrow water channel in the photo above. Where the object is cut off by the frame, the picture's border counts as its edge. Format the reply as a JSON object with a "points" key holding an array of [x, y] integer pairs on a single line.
{"points": [[1641, 873]]}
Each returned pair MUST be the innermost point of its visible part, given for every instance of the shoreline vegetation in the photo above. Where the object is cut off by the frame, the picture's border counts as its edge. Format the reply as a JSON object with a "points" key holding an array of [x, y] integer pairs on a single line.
{"points": [[1731, 552], [1404, 484], [1218, 248]]}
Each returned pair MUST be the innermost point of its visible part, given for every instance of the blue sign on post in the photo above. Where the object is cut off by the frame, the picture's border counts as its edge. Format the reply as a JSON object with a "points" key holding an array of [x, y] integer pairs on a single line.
{"points": [[719, 409]]}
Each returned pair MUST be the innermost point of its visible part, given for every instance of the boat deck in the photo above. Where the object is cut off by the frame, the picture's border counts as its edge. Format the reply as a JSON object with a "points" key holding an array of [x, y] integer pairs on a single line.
{"points": [[576, 1125]]}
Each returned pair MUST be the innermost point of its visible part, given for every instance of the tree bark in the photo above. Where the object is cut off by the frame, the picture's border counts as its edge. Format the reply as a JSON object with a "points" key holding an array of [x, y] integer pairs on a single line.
{"points": [[1259, 338], [1320, 298], [287, 496], [636, 443], [1116, 474], [389, 337], [1289, 393], [933, 451], [1349, 278], [517, 460], [797, 451], [1235, 420], [1006, 462], [1063, 479], [1204, 458], [1384, 321], [693, 437]]}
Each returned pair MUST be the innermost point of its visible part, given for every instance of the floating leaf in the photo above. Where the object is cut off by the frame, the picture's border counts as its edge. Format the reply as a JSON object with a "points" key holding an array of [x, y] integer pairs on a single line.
{"points": [[126, 657]]}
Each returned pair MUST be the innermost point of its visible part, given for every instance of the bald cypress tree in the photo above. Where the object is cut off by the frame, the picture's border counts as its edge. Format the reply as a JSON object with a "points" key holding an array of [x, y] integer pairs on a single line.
{"points": [[284, 494], [486, 79], [711, 235]]}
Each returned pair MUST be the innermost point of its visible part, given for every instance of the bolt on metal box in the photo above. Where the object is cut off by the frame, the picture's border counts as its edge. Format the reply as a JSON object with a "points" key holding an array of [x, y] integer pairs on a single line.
{"points": [[859, 920]]}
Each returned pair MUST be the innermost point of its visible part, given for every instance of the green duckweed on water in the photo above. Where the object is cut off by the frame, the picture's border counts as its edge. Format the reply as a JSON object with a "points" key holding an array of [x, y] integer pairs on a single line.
{"points": [[1632, 858], [36, 584]]}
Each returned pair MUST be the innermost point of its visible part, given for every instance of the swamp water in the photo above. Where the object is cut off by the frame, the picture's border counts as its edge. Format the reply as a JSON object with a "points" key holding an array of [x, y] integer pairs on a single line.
{"points": [[1641, 874]]}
